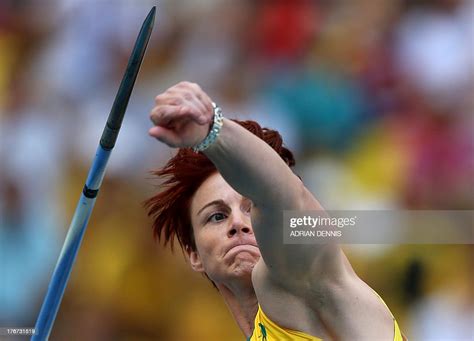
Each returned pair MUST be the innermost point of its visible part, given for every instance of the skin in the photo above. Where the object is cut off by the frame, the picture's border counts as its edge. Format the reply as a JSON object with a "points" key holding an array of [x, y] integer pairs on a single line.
{"points": [[309, 288], [226, 246]]}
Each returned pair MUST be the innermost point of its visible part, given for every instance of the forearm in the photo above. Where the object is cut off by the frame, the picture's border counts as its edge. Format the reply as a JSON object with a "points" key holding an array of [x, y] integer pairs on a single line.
{"points": [[254, 169]]}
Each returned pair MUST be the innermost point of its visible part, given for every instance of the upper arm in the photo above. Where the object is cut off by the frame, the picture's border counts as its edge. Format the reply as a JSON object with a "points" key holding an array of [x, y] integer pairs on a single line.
{"points": [[291, 262]]}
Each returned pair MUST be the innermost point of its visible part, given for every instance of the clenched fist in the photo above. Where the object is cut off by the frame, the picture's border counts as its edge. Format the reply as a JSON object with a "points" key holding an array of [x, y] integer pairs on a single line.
{"points": [[183, 115]]}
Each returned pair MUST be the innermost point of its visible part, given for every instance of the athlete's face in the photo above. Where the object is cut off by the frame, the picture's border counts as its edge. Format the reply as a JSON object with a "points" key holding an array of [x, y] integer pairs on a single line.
{"points": [[225, 243]]}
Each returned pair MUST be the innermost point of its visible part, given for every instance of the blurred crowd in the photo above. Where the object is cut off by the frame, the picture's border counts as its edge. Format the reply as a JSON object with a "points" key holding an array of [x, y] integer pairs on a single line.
{"points": [[375, 98]]}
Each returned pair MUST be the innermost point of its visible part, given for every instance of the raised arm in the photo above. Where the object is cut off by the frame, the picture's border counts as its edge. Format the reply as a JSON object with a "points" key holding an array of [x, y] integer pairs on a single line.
{"points": [[183, 116]]}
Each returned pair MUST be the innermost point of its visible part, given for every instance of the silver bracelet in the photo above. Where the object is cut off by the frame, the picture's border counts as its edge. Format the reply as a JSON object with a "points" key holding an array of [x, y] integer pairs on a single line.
{"points": [[215, 130]]}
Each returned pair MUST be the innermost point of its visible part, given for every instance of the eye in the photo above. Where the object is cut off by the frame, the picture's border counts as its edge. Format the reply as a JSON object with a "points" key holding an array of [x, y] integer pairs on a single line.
{"points": [[216, 217], [247, 207]]}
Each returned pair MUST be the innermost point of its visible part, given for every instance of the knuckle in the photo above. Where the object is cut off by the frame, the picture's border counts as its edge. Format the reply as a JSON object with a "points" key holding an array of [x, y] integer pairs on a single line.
{"points": [[195, 86], [159, 99], [176, 101], [153, 118], [159, 111], [184, 110], [189, 85], [187, 95], [153, 111], [183, 84]]}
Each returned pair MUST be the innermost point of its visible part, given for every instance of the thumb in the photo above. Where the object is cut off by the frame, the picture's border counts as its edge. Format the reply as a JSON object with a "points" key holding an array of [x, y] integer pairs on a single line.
{"points": [[165, 135]]}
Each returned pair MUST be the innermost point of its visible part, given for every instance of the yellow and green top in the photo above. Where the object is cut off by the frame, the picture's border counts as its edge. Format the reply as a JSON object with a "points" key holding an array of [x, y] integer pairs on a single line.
{"points": [[267, 330]]}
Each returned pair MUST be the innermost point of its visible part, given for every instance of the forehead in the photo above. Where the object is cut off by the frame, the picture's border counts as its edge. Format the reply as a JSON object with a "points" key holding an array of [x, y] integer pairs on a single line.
{"points": [[213, 188]]}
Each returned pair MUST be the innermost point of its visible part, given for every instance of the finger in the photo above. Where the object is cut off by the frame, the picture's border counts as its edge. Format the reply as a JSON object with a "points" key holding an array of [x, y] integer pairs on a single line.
{"points": [[205, 107], [203, 98], [205, 102], [200, 105], [170, 97], [190, 112], [208, 102], [164, 114]]}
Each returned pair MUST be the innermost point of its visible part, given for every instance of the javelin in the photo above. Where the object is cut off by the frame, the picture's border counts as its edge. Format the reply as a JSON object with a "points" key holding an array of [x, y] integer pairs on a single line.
{"points": [[66, 259]]}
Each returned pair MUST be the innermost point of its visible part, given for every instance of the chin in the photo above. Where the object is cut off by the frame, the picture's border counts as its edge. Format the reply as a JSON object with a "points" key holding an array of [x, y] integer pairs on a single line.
{"points": [[243, 264]]}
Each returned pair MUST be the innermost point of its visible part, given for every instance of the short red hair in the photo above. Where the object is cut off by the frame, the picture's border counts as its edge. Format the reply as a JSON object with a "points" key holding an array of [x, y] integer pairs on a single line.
{"points": [[184, 173]]}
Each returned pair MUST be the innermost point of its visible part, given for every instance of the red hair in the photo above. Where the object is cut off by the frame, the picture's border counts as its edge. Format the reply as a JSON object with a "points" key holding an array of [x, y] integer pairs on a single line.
{"points": [[184, 173]]}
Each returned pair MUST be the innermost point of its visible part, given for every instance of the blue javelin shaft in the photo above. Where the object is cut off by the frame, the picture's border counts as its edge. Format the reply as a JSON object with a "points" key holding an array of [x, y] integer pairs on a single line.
{"points": [[66, 259]]}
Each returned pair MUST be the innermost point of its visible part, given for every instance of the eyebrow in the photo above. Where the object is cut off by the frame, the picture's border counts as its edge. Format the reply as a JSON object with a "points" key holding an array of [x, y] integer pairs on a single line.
{"points": [[215, 202]]}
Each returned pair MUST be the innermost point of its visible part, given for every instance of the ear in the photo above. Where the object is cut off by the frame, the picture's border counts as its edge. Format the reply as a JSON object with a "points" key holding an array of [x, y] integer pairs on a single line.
{"points": [[194, 260]]}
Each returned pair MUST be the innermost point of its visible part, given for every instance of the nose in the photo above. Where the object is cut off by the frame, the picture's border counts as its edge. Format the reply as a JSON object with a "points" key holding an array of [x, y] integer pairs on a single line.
{"points": [[239, 225]]}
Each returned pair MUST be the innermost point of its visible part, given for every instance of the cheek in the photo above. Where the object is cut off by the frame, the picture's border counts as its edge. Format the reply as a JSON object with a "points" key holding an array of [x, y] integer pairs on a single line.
{"points": [[208, 243]]}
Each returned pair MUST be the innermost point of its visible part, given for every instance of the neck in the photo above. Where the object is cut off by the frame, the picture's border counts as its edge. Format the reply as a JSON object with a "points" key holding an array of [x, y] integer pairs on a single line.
{"points": [[242, 303]]}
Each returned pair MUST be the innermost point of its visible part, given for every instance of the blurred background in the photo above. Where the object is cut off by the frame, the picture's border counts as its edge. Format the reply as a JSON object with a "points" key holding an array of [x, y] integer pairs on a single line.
{"points": [[375, 98]]}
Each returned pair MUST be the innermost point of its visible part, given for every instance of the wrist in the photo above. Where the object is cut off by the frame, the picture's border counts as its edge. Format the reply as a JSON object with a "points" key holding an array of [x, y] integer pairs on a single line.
{"points": [[214, 131]]}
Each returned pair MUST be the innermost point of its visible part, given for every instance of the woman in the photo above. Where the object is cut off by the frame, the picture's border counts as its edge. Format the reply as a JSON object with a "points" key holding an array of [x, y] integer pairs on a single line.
{"points": [[223, 202]]}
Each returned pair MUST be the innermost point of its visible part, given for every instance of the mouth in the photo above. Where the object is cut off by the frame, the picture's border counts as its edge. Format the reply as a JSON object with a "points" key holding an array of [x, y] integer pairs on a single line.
{"points": [[233, 250]]}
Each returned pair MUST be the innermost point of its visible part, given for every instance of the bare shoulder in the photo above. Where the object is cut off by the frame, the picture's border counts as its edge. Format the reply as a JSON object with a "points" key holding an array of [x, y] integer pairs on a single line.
{"points": [[341, 307], [284, 304]]}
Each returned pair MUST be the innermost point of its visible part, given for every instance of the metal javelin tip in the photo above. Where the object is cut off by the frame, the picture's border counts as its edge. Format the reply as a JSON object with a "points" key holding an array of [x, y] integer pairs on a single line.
{"points": [[114, 122]]}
